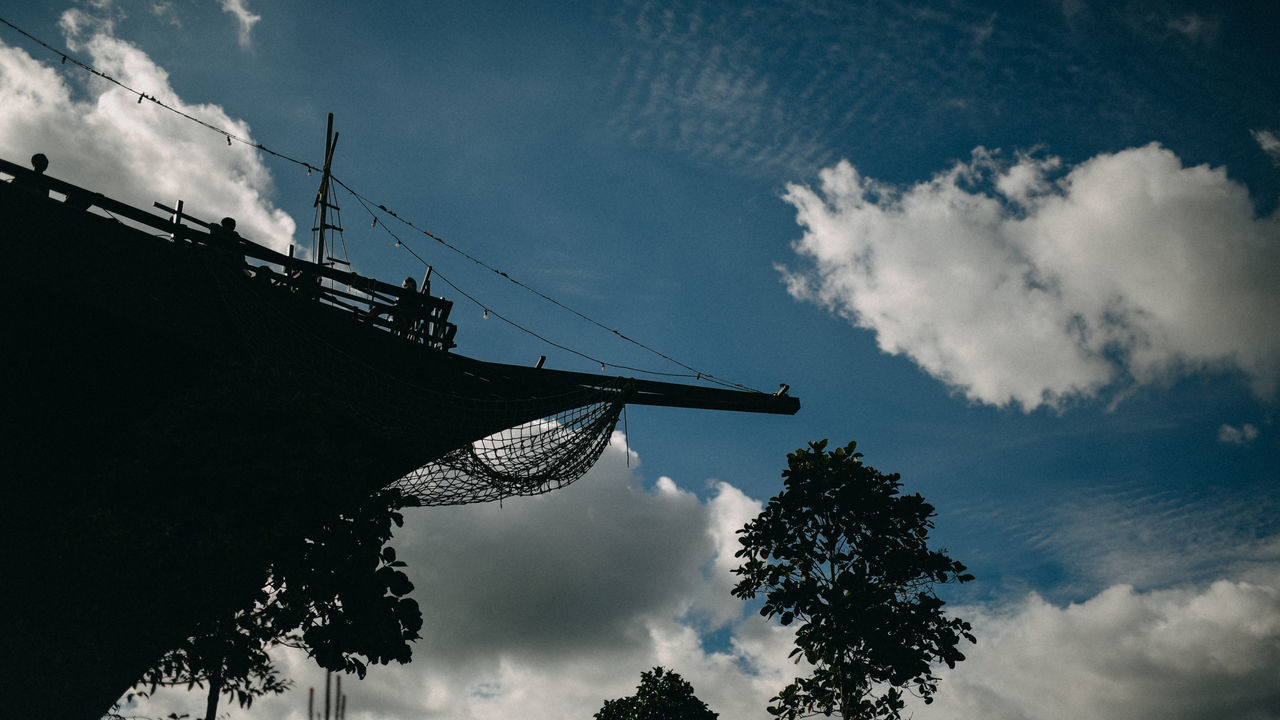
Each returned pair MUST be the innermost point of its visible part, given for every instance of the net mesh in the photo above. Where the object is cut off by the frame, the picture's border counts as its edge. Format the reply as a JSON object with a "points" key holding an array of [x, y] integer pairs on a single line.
{"points": [[529, 459]]}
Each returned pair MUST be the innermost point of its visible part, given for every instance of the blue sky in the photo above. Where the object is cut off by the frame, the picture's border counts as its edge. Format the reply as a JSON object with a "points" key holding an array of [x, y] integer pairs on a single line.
{"points": [[1024, 254]]}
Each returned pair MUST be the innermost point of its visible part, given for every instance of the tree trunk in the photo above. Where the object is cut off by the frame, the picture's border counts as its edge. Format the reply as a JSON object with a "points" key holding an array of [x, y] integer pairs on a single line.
{"points": [[215, 673], [846, 711], [215, 688]]}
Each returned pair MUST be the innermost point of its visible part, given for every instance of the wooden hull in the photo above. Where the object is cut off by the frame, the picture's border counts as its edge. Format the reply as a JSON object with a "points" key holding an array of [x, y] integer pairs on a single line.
{"points": [[168, 422], [154, 455]]}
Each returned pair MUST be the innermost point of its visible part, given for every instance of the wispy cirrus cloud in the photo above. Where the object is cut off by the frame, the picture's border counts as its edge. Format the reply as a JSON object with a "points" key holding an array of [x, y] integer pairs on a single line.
{"points": [[1195, 27], [165, 10], [245, 18], [1242, 435], [1269, 143], [1111, 531], [766, 88], [693, 82]]}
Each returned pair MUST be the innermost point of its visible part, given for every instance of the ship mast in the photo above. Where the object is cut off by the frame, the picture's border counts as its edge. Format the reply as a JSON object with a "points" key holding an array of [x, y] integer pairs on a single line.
{"points": [[323, 202]]}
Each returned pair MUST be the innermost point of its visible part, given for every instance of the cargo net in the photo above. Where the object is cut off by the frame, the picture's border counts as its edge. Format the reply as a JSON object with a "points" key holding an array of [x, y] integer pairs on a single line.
{"points": [[529, 459]]}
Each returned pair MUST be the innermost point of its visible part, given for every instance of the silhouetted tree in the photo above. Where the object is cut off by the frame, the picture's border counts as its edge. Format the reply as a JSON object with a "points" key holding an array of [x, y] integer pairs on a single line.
{"points": [[661, 695], [339, 595], [846, 555]]}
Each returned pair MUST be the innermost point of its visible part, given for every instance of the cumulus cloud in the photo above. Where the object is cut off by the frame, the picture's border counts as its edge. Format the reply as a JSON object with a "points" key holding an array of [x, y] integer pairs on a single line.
{"points": [[246, 19], [1174, 654], [100, 137], [1019, 283], [544, 607], [1242, 435]]}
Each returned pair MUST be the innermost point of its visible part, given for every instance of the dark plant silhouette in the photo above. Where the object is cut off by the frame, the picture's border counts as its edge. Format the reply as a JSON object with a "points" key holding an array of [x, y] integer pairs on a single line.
{"points": [[334, 702], [661, 695], [842, 552], [340, 595]]}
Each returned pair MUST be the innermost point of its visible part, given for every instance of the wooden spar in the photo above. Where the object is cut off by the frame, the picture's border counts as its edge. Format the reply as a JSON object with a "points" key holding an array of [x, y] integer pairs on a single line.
{"points": [[535, 381], [322, 195], [663, 394], [514, 380]]}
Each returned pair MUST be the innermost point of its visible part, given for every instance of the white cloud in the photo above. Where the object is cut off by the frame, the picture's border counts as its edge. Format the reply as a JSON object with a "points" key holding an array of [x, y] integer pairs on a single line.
{"points": [[1194, 27], [75, 22], [690, 79], [1185, 654], [1269, 143], [244, 17], [1242, 435], [1173, 654], [167, 12], [103, 139], [1146, 536], [1017, 284], [546, 606]]}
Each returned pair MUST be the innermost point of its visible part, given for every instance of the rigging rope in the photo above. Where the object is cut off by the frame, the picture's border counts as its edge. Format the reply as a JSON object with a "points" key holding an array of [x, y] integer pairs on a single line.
{"points": [[550, 439], [365, 202], [488, 311], [693, 372]]}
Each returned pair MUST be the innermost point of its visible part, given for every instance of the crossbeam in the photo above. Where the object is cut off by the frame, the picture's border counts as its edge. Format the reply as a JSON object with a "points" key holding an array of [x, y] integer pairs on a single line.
{"points": [[542, 381]]}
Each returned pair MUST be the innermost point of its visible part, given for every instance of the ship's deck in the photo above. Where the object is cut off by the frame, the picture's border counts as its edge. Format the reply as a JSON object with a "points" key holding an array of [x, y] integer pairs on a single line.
{"points": [[175, 409]]}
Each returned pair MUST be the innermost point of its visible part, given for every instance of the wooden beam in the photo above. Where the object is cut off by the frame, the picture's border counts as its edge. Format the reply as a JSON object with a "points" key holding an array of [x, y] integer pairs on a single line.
{"points": [[541, 381]]}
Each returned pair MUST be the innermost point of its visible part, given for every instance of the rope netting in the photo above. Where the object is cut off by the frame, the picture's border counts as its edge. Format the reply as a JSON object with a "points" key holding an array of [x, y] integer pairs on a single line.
{"points": [[529, 459], [543, 447]]}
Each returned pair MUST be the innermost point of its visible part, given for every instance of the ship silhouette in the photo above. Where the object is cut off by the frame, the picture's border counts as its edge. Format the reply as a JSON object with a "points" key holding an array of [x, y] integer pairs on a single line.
{"points": [[179, 402]]}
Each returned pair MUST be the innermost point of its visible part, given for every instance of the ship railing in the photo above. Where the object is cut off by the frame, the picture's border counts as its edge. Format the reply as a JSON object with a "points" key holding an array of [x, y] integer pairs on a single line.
{"points": [[416, 317]]}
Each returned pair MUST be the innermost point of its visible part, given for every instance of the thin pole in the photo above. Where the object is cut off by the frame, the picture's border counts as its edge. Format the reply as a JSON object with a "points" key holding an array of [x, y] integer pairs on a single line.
{"points": [[177, 222], [327, 674], [322, 195]]}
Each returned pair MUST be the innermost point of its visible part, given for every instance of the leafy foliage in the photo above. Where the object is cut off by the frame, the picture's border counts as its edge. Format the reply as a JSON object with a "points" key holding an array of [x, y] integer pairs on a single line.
{"points": [[661, 695], [340, 595], [842, 552]]}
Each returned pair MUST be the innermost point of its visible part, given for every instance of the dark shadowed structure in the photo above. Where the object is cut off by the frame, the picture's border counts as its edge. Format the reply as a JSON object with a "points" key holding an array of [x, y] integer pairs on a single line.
{"points": [[179, 402]]}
